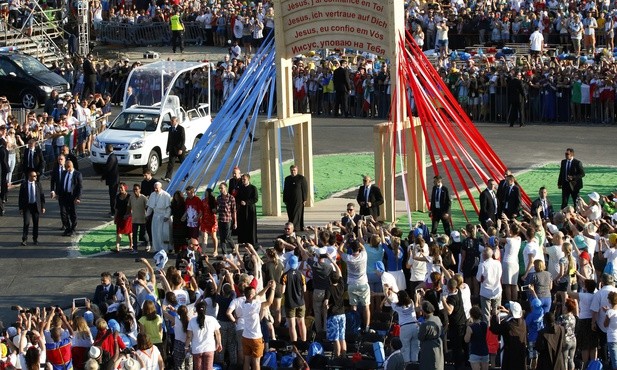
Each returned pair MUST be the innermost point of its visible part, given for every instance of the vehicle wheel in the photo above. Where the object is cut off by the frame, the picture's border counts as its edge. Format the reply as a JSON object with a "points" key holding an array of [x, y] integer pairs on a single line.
{"points": [[98, 168], [195, 142], [154, 162], [29, 100]]}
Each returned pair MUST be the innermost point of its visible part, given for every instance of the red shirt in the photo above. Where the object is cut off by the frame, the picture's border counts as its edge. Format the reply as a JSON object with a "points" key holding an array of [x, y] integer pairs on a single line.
{"points": [[109, 342]]}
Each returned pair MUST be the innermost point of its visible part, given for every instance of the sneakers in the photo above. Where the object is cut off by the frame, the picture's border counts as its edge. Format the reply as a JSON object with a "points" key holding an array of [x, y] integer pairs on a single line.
{"points": [[134, 251]]}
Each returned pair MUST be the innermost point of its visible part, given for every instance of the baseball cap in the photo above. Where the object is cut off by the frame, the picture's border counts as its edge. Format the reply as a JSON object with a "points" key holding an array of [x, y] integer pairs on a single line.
{"points": [[89, 317], [456, 236], [580, 242]]}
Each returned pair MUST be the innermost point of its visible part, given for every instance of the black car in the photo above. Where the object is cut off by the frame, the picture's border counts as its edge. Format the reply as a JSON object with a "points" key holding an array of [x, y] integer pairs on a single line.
{"points": [[27, 81]]}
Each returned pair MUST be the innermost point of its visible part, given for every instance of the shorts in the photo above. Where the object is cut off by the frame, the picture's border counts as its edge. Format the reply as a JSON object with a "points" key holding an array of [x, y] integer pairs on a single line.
{"points": [[221, 30], [253, 347], [534, 53], [442, 43], [478, 359], [278, 291], [298, 312], [247, 39], [335, 327], [81, 134], [359, 295]]}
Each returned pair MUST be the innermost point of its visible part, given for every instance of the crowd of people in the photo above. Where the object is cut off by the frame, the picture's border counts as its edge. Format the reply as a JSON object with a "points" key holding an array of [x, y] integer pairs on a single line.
{"points": [[527, 287]]}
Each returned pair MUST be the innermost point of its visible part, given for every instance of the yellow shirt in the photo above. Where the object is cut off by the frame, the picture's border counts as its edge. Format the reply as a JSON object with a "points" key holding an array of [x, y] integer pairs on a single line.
{"points": [[153, 328]]}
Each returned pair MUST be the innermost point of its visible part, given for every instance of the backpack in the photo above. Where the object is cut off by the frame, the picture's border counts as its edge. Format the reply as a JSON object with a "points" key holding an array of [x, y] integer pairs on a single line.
{"points": [[315, 348], [595, 365], [269, 360]]}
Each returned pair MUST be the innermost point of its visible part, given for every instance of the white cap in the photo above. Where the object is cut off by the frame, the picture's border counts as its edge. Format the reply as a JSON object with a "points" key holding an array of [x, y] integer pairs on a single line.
{"points": [[553, 229], [516, 310], [456, 236]]}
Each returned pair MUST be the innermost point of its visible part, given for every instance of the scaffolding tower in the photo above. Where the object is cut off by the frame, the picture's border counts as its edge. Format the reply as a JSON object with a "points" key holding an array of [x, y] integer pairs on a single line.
{"points": [[83, 27]]}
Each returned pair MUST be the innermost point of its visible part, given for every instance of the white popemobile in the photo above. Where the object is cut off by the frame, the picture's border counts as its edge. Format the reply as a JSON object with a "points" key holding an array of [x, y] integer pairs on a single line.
{"points": [[139, 133]]}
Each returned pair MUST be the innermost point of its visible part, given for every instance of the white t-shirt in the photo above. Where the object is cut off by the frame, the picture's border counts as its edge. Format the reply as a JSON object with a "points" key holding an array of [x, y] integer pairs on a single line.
{"points": [[596, 213], [591, 245], [611, 256], [611, 332], [182, 296], [554, 253], [150, 357], [510, 251], [489, 276], [431, 266], [390, 280], [179, 333], [356, 268], [584, 304], [237, 306], [418, 268], [600, 299], [252, 325], [535, 250], [536, 41], [406, 315], [203, 338]]}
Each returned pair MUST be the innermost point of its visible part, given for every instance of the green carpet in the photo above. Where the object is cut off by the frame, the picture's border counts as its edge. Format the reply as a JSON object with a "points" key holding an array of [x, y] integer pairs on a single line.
{"points": [[599, 179], [334, 173]]}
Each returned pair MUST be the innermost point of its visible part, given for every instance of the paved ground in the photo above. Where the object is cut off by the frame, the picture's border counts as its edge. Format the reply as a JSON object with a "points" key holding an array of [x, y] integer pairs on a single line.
{"points": [[53, 271]]}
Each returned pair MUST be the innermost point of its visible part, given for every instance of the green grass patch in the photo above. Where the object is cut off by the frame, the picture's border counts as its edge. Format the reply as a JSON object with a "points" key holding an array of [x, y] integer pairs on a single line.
{"points": [[335, 173], [598, 179]]}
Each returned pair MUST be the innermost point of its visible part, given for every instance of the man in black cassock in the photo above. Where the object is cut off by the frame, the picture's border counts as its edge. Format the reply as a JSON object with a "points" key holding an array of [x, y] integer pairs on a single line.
{"points": [[295, 194], [246, 198]]}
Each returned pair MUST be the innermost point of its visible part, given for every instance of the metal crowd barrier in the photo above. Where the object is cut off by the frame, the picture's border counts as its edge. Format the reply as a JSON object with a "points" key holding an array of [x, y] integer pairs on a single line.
{"points": [[144, 34]]}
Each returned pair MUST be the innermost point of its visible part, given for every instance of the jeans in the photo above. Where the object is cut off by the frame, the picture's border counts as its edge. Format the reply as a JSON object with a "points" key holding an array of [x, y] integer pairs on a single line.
{"points": [[487, 306], [411, 343], [49, 154], [181, 361], [12, 162], [612, 353], [225, 239], [546, 303], [228, 342], [139, 233], [318, 298]]}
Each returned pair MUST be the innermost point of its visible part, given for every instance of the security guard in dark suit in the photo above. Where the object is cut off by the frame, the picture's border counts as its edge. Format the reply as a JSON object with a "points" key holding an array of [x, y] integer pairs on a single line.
{"points": [[175, 146]]}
